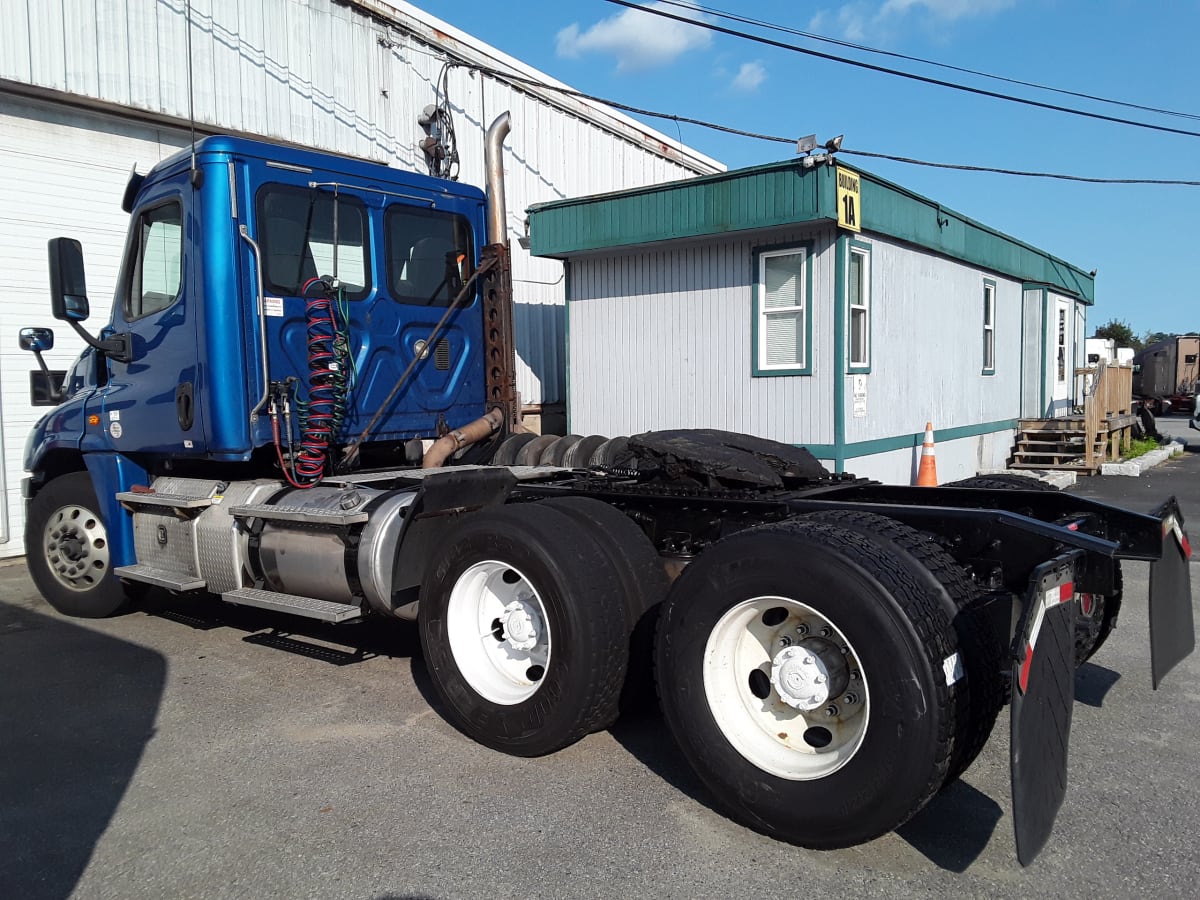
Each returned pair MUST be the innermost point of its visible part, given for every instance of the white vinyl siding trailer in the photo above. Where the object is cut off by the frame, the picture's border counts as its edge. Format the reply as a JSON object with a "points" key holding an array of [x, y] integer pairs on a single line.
{"points": [[736, 302], [89, 88]]}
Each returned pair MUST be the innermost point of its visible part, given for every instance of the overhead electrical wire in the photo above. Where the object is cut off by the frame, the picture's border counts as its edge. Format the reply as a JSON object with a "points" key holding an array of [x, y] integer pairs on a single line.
{"points": [[773, 26], [899, 73], [514, 79]]}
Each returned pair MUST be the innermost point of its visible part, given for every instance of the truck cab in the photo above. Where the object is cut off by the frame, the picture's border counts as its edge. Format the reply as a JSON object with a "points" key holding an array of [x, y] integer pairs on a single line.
{"points": [[214, 304]]}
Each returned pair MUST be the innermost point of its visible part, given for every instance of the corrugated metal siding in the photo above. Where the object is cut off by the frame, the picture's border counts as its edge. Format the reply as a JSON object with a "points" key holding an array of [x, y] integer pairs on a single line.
{"points": [[957, 459], [61, 171], [319, 73], [661, 338], [927, 345]]}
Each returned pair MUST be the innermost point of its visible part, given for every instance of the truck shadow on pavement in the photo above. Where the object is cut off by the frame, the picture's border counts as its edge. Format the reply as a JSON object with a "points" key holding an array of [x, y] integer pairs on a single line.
{"points": [[78, 708], [339, 645]]}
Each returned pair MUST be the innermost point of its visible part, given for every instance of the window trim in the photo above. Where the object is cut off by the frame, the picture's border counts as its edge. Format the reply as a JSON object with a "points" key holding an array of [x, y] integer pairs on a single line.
{"points": [[759, 255], [262, 225], [989, 288], [134, 253], [863, 249]]}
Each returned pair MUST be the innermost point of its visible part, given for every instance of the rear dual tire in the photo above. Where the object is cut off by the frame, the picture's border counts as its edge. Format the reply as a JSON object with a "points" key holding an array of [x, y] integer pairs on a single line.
{"points": [[522, 630], [752, 719]]}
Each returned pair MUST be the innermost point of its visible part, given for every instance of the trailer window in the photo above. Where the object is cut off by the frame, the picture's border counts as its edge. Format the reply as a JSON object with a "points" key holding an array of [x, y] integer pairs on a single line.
{"points": [[297, 233], [989, 328], [158, 267], [781, 331], [858, 298], [421, 244]]}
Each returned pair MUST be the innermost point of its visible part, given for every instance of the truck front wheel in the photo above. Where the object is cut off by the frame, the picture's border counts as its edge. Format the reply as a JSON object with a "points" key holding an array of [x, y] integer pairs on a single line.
{"points": [[802, 670], [68, 549], [523, 630]]}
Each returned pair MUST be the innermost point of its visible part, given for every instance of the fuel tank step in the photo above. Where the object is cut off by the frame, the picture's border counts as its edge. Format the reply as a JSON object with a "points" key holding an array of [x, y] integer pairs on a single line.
{"points": [[302, 514], [172, 581], [170, 501], [308, 607]]}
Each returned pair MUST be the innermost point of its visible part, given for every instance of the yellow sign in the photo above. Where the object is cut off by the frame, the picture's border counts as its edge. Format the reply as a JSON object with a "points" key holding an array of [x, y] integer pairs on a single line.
{"points": [[849, 200]]}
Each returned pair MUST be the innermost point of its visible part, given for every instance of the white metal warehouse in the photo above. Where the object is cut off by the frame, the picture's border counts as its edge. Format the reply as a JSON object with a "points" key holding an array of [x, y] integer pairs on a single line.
{"points": [[750, 301], [88, 88]]}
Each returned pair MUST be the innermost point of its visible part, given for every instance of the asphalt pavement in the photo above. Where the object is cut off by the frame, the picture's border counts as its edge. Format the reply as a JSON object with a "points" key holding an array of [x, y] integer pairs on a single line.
{"points": [[192, 749]]}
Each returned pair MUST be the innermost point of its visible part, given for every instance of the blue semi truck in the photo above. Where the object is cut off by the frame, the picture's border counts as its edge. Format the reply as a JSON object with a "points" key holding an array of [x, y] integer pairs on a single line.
{"points": [[304, 400]]}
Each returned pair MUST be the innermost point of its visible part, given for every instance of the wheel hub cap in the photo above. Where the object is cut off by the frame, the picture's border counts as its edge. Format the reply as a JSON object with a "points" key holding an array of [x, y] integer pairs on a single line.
{"points": [[808, 674], [76, 548], [521, 625]]}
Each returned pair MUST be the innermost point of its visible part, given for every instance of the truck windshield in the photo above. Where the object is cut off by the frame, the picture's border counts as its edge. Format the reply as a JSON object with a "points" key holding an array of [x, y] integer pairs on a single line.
{"points": [[297, 235], [418, 241]]}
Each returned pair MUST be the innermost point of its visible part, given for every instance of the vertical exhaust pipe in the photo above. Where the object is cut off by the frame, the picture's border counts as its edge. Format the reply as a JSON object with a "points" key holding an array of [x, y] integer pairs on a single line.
{"points": [[497, 217]]}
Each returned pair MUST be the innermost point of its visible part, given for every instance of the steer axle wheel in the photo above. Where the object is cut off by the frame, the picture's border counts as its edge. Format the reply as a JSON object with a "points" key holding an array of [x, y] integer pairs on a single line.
{"points": [[524, 630], [68, 549], [801, 671]]}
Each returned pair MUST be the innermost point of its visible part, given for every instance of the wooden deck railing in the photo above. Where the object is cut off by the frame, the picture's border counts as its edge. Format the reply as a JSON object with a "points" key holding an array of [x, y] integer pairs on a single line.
{"points": [[1107, 410]]}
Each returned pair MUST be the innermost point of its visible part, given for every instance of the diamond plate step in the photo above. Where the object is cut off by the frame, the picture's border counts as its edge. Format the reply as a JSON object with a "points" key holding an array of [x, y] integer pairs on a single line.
{"points": [[171, 501], [299, 514], [308, 607], [160, 577]]}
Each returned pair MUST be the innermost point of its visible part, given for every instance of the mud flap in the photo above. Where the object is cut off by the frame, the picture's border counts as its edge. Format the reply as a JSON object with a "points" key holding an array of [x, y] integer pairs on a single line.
{"points": [[1043, 695], [1172, 628]]}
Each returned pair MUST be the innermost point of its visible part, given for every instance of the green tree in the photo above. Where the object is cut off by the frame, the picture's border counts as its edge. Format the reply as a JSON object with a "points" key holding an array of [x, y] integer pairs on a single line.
{"points": [[1153, 337], [1121, 332]]}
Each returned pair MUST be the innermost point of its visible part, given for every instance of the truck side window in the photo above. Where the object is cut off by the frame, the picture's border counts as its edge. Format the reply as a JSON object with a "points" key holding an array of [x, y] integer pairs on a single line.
{"points": [[418, 241], [158, 267], [296, 232]]}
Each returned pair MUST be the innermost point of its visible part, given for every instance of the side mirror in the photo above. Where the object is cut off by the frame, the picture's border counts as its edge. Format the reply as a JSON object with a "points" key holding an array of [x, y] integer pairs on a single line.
{"points": [[36, 340], [68, 287]]}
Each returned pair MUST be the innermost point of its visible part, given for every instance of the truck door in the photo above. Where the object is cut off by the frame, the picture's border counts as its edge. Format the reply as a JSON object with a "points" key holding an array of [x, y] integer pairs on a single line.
{"points": [[151, 403]]}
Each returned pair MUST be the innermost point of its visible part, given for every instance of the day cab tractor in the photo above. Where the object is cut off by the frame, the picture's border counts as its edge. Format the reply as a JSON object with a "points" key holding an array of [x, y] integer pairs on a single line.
{"points": [[305, 401]]}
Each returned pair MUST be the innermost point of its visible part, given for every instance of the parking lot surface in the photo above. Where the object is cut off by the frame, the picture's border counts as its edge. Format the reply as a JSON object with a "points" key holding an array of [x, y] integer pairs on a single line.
{"points": [[192, 749]]}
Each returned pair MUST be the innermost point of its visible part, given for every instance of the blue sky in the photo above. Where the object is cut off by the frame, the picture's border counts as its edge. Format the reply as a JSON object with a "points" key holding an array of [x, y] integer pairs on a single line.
{"points": [[1143, 240]]}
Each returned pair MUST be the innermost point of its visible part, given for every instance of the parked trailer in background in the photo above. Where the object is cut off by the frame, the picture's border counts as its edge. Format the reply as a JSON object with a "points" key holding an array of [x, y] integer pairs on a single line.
{"points": [[304, 401], [1165, 374]]}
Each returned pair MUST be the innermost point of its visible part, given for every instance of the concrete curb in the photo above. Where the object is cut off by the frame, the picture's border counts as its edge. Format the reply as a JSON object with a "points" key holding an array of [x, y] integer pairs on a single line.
{"points": [[1135, 467]]}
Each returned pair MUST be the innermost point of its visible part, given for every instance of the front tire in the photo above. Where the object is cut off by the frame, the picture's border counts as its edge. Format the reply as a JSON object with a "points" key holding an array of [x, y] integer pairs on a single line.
{"points": [[68, 549], [795, 736], [525, 639]]}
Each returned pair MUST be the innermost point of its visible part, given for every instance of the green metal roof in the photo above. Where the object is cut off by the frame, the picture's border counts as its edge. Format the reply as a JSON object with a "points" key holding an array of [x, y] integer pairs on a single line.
{"points": [[786, 193]]}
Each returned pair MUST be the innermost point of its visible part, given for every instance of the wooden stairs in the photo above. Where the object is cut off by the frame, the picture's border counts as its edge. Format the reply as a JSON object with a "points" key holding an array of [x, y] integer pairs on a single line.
{"points": [[1055, 444]]}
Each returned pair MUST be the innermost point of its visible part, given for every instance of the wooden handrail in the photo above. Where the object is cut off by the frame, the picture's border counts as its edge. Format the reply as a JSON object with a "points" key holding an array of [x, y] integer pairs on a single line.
{"points": [[1110, 394]]}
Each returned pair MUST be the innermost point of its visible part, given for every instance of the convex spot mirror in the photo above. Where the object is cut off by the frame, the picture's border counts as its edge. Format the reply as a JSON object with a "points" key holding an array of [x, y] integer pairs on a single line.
{"points": [[68, 287], [36, 340]]}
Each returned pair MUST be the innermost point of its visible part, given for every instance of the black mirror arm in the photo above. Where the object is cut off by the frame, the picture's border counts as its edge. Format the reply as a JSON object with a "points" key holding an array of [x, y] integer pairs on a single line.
{"points": [[56, 394], [117, 346]]}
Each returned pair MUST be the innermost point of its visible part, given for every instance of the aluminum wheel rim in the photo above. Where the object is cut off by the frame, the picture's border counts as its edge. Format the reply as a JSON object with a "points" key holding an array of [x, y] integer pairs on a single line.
{"points": [[768, 732], [499, 633], [75, 547]]}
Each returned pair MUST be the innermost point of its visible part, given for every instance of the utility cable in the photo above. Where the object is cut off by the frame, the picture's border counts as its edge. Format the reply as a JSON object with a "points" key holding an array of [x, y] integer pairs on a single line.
{"points": [[899, 73], [516, 80], [760, 23]]}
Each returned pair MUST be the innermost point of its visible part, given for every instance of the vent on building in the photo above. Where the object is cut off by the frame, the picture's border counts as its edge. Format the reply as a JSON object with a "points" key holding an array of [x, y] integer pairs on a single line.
{"points": [[441, 356]]}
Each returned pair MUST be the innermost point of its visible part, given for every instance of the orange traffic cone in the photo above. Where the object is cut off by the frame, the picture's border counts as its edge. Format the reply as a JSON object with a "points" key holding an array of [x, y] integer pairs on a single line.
{"points": [[927, 473]]}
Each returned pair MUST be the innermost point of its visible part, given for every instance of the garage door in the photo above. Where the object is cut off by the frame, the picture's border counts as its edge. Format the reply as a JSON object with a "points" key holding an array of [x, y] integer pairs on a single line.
{"points": [[62, 172]]}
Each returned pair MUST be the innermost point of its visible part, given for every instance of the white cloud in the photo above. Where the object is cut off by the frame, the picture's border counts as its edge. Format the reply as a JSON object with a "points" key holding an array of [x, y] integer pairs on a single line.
{"points": [[863, 20], [749, 77], [949, 10], [637, 39]]}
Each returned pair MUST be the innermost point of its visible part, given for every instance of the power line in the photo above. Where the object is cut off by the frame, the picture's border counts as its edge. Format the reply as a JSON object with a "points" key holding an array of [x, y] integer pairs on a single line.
{"points": [[912, 76], [747, 20], [1055, 175], [524, 81]]}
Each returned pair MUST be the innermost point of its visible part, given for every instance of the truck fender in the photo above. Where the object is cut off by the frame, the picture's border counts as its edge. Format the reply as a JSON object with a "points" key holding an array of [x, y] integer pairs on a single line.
{"points": [[112, 473]]}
